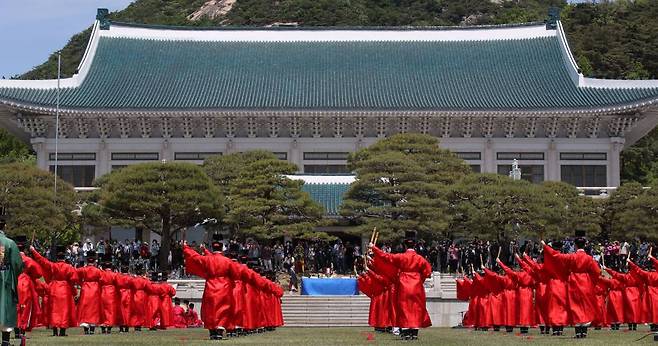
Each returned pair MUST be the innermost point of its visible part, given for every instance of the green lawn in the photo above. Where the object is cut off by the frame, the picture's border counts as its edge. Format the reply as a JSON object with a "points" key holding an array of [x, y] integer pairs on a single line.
{"points": [[334, 336]]}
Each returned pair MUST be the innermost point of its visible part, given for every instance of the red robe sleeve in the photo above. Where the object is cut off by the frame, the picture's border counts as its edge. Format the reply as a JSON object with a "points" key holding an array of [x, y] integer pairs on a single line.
{"points": [[206, 252], [364, 285], [554, 261], [387, 257], [195, 264], [617, 275], [638, 272], [46, 265], [508, 271], [655, 263], [463, 289]]}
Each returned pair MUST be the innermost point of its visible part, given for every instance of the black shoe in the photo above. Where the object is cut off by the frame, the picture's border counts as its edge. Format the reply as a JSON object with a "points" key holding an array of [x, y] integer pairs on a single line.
{"points": [[62, 332], [55, 332]]}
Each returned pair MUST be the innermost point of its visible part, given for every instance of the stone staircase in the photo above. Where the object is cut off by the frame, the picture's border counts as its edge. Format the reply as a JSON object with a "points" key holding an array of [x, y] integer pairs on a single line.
{"points": [[325, 311]]}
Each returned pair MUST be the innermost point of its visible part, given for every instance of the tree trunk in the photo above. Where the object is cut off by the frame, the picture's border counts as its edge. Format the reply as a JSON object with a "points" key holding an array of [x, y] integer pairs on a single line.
{"points": [[165, 242]]}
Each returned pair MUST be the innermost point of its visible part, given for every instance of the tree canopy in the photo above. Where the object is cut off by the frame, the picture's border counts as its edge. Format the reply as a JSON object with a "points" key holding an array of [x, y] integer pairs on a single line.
{"points": [[401, 185], [260, 200], [163, 197], [28, 196]]}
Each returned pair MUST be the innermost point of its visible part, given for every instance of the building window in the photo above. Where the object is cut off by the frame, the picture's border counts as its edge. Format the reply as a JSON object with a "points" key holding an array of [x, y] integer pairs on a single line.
{"points": [[531, 173], [78, 176], [325, 156], [476, 168], [520, 156], [73, 156], [135, 156], [585, 175], [194, 156], [325, 169], [583, 156], [281, 155], [469, 156]]}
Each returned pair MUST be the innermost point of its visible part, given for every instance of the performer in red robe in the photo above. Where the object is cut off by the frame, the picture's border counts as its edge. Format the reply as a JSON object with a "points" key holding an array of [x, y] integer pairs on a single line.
{"points": [[63, 276], [167, 292], [411, 312], [650, 279], [152, 318], [138, 312], [389, 275], [192, 318], [89, 303], [541, 277], [28, 308], [42, 290], [495, 289], [556, 297], [524, 307], [217, 300], [582, 272], [375, 288], [615, 303], [179, 314], [482, 318], [602, 289], [110, 299], [124, 285], [632, 296], [239, 295], [464, 293]]}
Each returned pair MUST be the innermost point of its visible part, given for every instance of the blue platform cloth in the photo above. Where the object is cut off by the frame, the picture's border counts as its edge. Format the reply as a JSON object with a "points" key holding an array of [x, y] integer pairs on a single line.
{"points": [[329, 287]]}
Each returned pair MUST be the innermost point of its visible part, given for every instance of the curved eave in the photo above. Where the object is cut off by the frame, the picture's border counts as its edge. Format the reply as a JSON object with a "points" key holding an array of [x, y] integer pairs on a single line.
{"points": [[633, 107]]}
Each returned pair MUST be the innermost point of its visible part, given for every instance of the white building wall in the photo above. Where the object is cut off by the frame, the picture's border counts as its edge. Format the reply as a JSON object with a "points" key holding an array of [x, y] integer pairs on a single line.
{"points": [[295, 148]]}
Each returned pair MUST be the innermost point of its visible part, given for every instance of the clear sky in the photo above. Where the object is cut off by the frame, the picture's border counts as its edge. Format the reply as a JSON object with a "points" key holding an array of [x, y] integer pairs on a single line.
{"points": [[30, 30]]}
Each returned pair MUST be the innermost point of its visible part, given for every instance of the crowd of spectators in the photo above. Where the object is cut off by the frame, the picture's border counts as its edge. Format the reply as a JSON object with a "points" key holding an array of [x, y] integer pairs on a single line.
{"points": [[330, 258]]}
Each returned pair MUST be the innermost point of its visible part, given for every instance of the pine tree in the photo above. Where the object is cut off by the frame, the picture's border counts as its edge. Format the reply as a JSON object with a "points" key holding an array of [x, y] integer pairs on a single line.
{"points": [[162, 197]]}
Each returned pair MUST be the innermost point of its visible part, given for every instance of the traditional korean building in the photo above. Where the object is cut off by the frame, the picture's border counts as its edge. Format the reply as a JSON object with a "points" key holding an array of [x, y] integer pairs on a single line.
{"points": [[312, 95]]}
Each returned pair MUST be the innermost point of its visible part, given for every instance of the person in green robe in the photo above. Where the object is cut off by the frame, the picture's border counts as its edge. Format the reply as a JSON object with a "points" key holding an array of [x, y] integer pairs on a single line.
{"points": [[11, 266]]}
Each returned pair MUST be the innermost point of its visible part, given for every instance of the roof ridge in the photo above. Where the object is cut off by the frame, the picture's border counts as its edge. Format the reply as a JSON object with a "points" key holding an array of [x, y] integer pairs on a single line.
{"points": [[321, 28]]}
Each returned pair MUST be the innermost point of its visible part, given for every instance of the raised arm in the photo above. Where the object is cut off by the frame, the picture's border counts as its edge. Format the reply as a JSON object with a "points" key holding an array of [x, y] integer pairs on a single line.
{"points": [[506, 269], [638, 272], [194, 263], [393, 259], [45, 264], [555, 260], [616, 275]]}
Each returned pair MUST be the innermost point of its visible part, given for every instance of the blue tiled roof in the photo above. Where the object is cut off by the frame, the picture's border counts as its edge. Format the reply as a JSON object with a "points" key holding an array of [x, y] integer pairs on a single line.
{"points": [[520, 74], [330, 196]]}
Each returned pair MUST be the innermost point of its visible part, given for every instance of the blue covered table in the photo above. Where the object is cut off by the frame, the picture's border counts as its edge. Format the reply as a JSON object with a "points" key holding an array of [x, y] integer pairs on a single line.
{"points": [[329, 287]]}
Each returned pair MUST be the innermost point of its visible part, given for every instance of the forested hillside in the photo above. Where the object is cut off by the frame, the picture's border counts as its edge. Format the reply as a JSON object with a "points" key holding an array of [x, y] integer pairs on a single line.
{"points": [[611, 40]]}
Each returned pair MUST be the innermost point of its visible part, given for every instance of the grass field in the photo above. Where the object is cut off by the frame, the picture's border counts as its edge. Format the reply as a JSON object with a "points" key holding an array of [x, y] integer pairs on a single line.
{"points": [[334, 336]]}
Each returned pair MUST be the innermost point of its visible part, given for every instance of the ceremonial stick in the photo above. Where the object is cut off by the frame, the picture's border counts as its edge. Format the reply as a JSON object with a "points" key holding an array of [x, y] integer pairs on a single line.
{"points": [[603, 260], [376, 237], [481, 261], [372, 235], [499, 248]]}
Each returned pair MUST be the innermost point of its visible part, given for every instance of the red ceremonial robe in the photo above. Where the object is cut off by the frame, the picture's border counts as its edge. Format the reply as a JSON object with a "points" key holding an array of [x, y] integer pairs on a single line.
{"points": [[179, 317], [138, 311], [249, 304], [582, 273], [495, 287], [525, 309], [379, 318], [632, 296], [541, 277], [124, 285], [650, 279], [238, 294], [464, 293], [153, 316], [167, 292], [390, 275], [89, 303], [615, 304], [411, 309], [110, 303], [556, 296], [217, 300], [42, 289], [63, 277], [602, 288], [278, 293], [482, 309], [28, 308]]}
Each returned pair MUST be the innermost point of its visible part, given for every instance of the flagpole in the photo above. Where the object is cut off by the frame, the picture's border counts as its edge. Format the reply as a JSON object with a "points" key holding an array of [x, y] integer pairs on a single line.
{"points": [[59, 73]]}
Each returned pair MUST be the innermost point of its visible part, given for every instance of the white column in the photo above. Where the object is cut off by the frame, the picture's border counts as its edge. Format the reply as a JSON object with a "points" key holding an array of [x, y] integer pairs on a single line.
{"points": [[295, 155], [489, 158], [102, 159], [616, 145], [166, 152], [39, 146], [552, 162]]}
